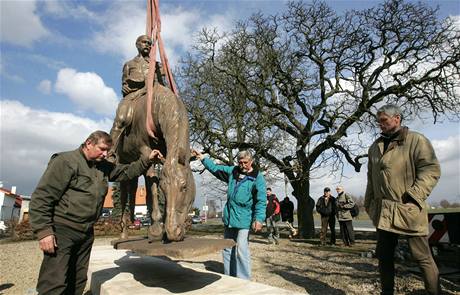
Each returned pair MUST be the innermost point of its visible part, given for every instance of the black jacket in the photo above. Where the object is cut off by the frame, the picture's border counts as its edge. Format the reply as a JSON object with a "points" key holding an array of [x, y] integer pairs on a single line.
{"points": [[326, 210]]}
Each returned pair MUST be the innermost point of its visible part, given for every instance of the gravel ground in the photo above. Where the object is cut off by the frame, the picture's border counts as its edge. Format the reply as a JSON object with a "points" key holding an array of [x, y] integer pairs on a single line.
{"points": [[301, 266]]}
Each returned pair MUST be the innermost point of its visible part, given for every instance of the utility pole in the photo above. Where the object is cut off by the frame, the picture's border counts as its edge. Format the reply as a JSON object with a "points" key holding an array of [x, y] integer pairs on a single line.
{"points": [[221, 207], [205, 208]]}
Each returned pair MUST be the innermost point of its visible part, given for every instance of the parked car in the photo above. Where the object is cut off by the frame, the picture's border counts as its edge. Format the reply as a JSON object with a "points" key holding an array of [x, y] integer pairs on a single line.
{"points": [[105, 213], [145, 221], [136, 224], [196, 219]]}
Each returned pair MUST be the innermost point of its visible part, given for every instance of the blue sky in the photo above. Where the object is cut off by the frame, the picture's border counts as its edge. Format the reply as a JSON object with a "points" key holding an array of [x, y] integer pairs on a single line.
{"points": [[60, 72]]}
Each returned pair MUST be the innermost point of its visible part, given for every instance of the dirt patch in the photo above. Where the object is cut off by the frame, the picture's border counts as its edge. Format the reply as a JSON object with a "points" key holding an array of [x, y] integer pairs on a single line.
{"points": [[306, 267], [300, 265]]}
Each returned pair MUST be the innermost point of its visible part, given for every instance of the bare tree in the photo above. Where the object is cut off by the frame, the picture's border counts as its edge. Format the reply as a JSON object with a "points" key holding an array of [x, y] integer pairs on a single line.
{"points": [[301, 88], [359, 201], [444, 203], [455, 205]]}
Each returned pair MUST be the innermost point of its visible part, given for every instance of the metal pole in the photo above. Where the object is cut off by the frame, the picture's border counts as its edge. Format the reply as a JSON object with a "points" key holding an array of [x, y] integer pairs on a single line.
{"points": [[205, 207]]}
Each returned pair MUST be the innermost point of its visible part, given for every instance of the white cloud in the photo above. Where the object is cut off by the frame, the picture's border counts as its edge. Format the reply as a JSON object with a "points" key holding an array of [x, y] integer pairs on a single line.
{"points": [[448, 153], [31, 136], [456, 20], [448, 187], [12, 77], [122, 23], [125, 21], [44, 86], [67, 9], [87, 90], [46, 61], [20, 25]]}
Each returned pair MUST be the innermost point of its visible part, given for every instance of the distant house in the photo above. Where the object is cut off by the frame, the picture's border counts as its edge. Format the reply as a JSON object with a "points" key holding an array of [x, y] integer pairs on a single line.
{"points": [[10, 204], [141, 204], [24, 214]]}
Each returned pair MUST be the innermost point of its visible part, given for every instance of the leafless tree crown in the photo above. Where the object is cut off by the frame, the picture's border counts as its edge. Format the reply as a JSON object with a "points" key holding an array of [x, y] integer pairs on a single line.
{"points": [[301, 88]]}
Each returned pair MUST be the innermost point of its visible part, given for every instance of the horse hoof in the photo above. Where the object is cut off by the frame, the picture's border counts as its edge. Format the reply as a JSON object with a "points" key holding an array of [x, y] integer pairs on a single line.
{"points": [[155, 232], [177, 234]]}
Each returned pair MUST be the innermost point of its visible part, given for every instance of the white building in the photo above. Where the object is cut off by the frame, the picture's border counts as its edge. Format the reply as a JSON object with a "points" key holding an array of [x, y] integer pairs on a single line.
{"points": [[10, 204]]}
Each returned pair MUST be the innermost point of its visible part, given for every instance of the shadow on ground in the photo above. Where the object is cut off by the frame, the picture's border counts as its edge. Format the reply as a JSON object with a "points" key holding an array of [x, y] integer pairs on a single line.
{"points": [[159, 273]]}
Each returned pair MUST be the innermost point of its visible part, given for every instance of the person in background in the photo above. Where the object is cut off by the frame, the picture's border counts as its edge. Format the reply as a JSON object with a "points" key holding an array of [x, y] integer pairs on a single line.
{"points": [[65, 205], [272, 214], [402, 172], [287, 210], [327, 208], [245, 209], [287, 216], [344, 204]]}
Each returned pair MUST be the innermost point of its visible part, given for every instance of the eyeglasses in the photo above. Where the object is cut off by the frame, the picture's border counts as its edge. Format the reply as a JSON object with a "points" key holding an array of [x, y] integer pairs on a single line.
{"points": [[244, 162]]}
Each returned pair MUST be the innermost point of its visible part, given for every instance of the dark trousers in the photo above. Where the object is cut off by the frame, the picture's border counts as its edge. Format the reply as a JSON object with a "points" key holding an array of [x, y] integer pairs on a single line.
{"points": [[65, 271], [386, 244], [327, 221], [347, 232], [272, 229]]}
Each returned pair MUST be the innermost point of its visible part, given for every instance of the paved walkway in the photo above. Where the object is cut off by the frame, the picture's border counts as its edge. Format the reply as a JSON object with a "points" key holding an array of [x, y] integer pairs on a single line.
{"points": [[124, 272]]}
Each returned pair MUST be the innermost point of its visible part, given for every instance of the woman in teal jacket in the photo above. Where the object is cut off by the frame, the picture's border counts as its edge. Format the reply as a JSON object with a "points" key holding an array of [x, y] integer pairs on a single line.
{"points": [[245, 208]]}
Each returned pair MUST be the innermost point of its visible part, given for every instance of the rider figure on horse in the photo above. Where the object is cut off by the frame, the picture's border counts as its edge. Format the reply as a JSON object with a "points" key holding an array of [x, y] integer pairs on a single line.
{"points": [[135, 73]]}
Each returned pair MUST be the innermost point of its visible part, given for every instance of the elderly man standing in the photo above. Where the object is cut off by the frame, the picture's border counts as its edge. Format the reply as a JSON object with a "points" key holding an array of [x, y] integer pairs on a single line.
{"points": [[65, 205], [326, 206], [245, 208], [344, 204], [402, 172]]}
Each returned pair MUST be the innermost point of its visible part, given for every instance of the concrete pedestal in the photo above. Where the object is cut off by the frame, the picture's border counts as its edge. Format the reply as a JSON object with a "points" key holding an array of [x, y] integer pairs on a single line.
{"points": [[124, 272]]}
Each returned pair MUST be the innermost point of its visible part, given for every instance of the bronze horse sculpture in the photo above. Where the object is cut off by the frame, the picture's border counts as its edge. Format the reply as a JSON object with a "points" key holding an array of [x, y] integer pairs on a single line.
{"points": [[175, 179]]}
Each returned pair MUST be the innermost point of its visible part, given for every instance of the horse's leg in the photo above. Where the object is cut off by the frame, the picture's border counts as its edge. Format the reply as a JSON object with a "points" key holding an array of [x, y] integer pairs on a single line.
{"points": [[128, 190], [124, 186], [148, 197], [133, 184], [156, 229]]}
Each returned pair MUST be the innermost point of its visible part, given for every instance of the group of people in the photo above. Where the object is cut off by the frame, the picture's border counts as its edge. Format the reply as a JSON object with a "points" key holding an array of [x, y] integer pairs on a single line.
{"points": [[402, 171], [330, 207]]}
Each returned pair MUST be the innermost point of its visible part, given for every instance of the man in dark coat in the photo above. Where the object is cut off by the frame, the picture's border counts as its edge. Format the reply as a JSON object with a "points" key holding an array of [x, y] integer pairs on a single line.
{"points": [[287, 210], [327, 208], [65, 205]]}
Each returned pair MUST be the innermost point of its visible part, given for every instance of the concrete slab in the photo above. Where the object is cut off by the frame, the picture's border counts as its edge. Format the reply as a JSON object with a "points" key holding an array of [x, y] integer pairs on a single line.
{"points": [[190, 247], [124, 272]]}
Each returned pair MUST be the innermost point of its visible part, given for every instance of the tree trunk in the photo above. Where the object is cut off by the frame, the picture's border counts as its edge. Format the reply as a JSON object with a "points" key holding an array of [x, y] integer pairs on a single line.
{"points": [[305, 206]]}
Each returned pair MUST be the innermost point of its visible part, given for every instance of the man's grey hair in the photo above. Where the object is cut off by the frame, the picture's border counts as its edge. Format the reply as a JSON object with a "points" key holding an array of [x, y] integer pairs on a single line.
{"points": [[244, 154], [98, 136], [390, 110]]}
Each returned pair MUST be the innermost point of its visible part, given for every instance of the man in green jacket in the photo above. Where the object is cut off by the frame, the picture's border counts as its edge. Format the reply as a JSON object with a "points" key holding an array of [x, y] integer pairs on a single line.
{"points": [[402, 172], [344, 204], [245, 208], [65, 205]]}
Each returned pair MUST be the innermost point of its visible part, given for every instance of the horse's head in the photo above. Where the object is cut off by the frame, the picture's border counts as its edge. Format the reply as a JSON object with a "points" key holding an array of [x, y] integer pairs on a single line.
{"points": [[178, 186]]}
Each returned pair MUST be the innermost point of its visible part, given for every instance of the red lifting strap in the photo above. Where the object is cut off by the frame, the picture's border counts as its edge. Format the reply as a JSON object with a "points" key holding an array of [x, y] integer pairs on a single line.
{"points": [[153, 30]]}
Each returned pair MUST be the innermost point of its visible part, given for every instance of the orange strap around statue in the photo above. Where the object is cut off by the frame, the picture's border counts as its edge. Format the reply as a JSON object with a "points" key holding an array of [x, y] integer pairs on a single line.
{"points": [[153, 30]]}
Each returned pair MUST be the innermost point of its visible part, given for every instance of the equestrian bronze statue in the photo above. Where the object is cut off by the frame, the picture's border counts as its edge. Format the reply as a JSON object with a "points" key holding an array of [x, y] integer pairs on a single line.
{"points": [[174, 182]]}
